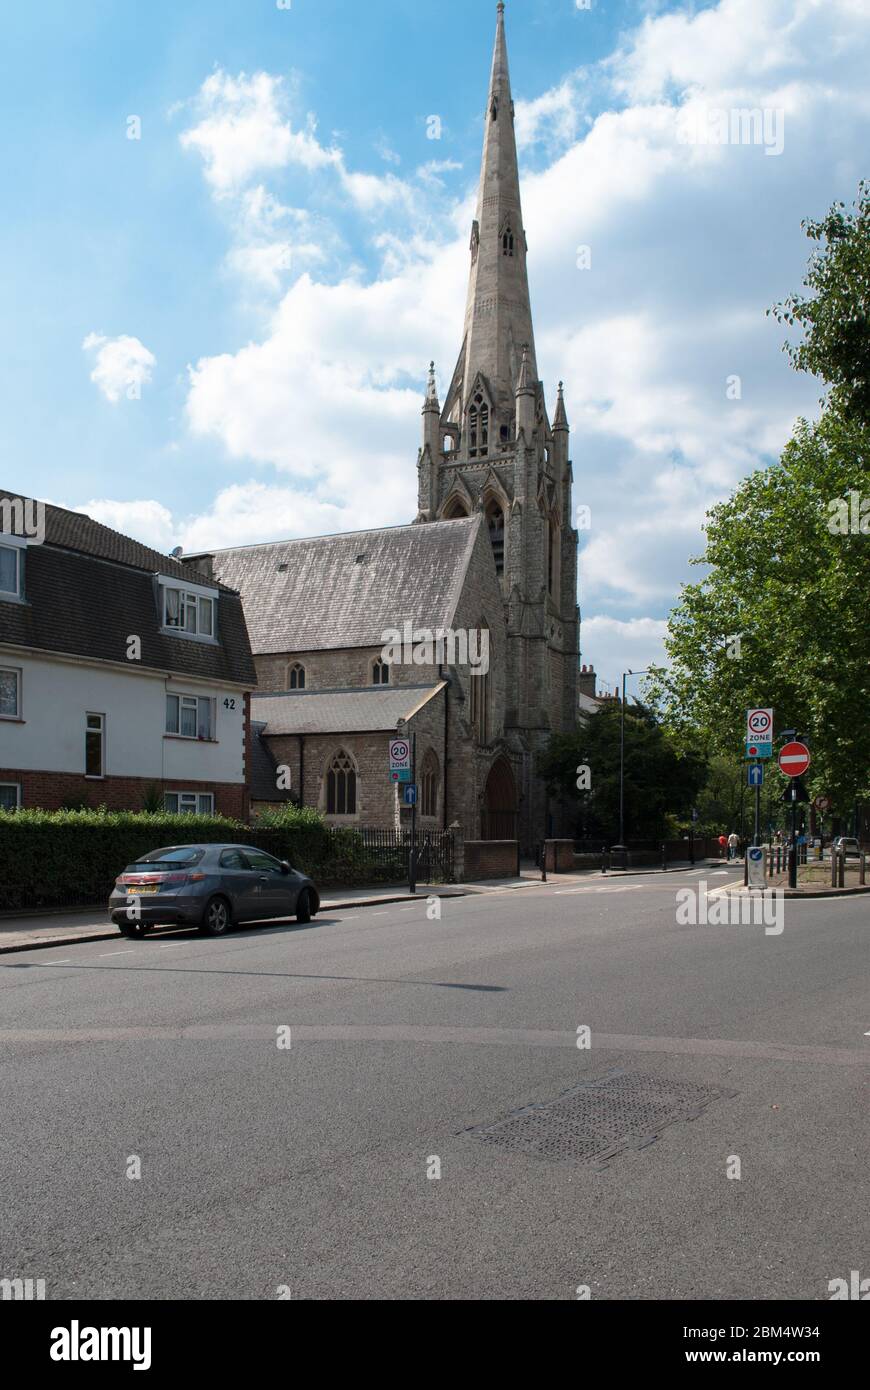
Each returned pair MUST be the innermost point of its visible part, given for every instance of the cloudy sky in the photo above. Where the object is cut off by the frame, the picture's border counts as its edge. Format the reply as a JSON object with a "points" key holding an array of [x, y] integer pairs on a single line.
{"points": [[232, 246]]}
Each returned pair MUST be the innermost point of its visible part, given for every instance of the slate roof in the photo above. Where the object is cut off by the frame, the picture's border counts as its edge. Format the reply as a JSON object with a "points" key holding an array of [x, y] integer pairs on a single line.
{"points": [[263, 771], [357, 711], [89, 588], [333, 592]]}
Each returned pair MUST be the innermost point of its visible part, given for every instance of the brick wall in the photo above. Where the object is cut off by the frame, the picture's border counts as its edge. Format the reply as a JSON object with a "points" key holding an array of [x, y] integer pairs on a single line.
{"points": [[490, 859], [49, 791]]}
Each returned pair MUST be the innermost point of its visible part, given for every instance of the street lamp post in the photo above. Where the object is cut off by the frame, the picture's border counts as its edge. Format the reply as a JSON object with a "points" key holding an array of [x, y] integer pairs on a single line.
{"points": [[621, 845]]}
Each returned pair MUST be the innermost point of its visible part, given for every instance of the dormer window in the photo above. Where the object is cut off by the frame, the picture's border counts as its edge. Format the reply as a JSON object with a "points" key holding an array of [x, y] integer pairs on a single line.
{"points": [[478, 427], [188, 610], [507, 242], [380, 673], [10, 571]]}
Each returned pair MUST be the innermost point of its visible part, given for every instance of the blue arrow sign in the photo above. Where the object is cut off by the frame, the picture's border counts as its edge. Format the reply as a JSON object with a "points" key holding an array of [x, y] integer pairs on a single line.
{"points": [[411, 796], [756, 775]]}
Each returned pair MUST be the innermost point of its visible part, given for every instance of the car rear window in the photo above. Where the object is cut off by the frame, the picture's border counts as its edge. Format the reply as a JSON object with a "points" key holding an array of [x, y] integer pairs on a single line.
{"points": [[168, 859]]}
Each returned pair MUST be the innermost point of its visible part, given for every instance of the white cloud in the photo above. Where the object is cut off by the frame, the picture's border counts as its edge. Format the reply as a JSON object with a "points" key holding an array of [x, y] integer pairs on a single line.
{"points": [[619, 646], [150, 522], [123, 365], [243, 129]]}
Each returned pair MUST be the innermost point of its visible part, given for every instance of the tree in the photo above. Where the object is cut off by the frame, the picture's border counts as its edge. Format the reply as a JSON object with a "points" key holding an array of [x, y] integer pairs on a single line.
{"points": [[835, 316], [781, 617], [662, 779]]}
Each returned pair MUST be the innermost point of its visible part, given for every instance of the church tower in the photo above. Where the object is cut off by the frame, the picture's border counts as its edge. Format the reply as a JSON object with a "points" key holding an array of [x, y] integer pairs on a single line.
{"points": [[493, 449]]}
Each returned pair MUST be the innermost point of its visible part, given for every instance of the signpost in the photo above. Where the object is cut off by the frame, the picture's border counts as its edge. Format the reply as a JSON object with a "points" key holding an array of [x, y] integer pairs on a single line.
{"points": [[794, 760], [755, 865], [759, 733], [400, 760], [403, 765]]}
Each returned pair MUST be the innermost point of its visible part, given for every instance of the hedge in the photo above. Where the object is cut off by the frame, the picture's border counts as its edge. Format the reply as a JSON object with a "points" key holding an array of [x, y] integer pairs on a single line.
{"points": [[51, 859]]}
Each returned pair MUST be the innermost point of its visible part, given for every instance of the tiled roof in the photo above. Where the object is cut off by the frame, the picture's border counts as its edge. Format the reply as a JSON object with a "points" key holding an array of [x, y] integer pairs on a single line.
{"points": [[348, 590], [263, 771], [88, 589], [355, 711]]}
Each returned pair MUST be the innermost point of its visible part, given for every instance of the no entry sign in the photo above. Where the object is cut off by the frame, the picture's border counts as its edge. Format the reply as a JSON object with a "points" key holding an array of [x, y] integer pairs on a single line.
{"points": [[794, 759]]}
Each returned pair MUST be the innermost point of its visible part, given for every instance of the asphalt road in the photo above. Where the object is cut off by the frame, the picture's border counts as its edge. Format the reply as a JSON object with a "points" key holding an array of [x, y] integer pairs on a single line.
{"points": [[268, 1171]]}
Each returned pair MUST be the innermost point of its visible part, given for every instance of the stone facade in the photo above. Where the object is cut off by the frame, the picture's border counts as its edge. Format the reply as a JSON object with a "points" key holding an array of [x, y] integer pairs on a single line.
{"points": [[492, 450]]}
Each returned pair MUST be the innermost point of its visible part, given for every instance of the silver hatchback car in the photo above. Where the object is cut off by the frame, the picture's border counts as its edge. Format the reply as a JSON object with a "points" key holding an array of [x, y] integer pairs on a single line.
{"points": [[212, 887]]}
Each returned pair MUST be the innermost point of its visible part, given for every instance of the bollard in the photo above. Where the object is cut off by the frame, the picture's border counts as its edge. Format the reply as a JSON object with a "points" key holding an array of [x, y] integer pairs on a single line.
{"points": [[842, 872], [862, 869], [833, 867], [664, 858], [544, 862], [604, 859]]}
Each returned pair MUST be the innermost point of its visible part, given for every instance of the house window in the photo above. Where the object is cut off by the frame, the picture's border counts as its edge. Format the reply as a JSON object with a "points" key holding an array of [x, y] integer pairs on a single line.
{"points": [[341, 787], [189, 803], [296, 680], [429, 785], [189, 613], [10, 571], [10, 796], [190, 716], [495, 522], [10, 693], [95, 745], [380, 673]]}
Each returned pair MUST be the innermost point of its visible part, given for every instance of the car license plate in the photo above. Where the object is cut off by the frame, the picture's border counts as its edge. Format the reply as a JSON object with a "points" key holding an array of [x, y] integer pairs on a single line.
{"points": [[145, 888]]}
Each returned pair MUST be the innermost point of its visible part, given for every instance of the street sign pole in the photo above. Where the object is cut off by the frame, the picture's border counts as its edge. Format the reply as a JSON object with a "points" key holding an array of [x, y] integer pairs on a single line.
{"points": [[412, 875], [792, 868], [757, 837]]}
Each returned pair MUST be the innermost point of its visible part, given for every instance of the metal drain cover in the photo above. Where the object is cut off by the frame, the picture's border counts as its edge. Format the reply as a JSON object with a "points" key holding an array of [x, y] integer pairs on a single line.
{"points": [[598, 1119]]}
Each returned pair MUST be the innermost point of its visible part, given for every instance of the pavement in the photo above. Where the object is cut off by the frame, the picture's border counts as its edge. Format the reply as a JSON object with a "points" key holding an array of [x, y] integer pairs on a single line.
{"points": [[316, 1112]]}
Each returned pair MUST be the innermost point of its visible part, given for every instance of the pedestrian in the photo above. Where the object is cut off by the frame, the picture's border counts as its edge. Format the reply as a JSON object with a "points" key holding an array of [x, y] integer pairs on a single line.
{"points": [[733, 844], [723, 844]]}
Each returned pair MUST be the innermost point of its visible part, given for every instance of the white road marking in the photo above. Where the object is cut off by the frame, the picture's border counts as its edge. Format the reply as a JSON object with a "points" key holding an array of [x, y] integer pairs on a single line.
{"points": [[55, 962], [106, 954]]}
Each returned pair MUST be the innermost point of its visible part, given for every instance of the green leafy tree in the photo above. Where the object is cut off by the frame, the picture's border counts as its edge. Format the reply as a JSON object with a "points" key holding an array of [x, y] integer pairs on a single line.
{"points": [[662, 776], [835, 314], [781, 617]]}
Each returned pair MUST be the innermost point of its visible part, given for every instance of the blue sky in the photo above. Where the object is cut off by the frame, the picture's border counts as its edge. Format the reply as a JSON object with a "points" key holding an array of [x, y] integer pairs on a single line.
{"points": [[283, 250]]}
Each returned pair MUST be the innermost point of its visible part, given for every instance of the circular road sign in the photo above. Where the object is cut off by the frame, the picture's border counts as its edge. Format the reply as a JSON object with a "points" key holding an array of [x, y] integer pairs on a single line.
{"points": [[760, 725], [822, 804], [794, 759]]}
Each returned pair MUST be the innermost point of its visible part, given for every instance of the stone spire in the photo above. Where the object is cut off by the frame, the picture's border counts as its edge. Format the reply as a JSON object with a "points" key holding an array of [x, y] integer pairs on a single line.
{"points": [[560, 419], [498, 316]]}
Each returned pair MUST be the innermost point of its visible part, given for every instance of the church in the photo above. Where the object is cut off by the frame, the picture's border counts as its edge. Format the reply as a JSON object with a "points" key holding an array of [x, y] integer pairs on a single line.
{"points": [[487, 569]]}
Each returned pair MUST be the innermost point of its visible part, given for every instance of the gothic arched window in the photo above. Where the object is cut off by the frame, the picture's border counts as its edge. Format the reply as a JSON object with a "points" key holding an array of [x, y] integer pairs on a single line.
{"points": [[296, 677], [429, 779], [455, 509], [495, 522], [479, 695], [553, 557], [507, 242], [380, 672], [341, 786], [478, 427]]}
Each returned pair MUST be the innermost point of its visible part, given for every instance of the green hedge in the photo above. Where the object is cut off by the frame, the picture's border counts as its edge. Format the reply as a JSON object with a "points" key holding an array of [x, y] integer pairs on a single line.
{"points": [[71, 858]]}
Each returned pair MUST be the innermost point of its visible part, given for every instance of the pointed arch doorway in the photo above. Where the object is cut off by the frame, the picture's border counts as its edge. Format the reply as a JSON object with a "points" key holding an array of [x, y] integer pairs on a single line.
{"points": [[499, 813]]}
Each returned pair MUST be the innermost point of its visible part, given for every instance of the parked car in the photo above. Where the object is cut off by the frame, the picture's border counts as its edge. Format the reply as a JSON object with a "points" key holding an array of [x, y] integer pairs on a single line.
{"points": [[212, 887], [848, 845]]}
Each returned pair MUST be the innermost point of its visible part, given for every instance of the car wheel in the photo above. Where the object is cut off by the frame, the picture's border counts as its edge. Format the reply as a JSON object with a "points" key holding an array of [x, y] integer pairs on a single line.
{"points": [[134, 930], [217, 919], [303, 906]]}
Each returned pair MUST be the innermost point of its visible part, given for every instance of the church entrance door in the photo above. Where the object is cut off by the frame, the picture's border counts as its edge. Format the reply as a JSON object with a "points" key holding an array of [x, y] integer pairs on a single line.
{"points": [[499, 816]]}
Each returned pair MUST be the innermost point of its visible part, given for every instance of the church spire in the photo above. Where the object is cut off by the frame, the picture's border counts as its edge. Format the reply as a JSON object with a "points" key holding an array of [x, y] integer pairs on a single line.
{"points": [[498, 315]]}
